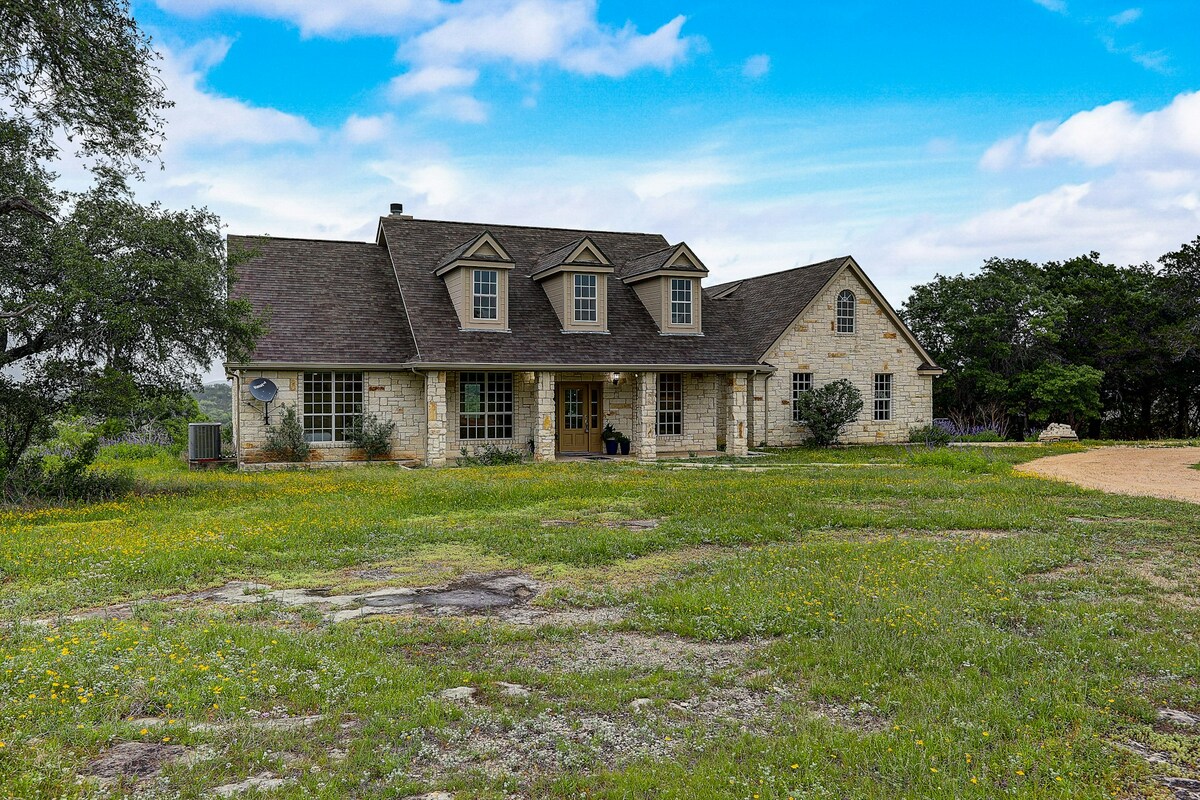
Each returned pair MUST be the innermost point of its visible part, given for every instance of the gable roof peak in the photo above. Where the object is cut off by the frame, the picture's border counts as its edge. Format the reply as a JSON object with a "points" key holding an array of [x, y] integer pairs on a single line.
{"points": [[581, 252], [481, 247]]}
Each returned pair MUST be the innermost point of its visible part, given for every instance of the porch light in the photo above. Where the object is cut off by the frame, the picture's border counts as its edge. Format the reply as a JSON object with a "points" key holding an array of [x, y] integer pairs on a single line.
{"points": [[616, 378]]}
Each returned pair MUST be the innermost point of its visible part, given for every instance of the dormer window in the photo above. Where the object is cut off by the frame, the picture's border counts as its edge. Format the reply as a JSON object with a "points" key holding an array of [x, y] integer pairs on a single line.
{"points": [[667, 282], [681, 301], [575, 279], [586, 305], [485, 296], [476, 277], [845, 311]]}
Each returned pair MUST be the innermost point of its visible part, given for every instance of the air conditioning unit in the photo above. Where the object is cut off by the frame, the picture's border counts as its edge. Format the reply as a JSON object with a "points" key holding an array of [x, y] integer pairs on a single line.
{"points": [[204, 441]]}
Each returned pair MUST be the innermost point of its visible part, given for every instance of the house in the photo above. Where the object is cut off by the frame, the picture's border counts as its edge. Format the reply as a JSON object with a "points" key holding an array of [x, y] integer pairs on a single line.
{"points": [[535, 338]]}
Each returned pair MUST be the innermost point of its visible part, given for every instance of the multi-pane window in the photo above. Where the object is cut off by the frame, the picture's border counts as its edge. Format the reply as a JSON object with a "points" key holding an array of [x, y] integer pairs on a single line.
{"points": [[670, 404], [485, 405], [801, 382], [333, 402], [681, 301], [485, 294], [883, 396], [845, 311], [585, 298]]}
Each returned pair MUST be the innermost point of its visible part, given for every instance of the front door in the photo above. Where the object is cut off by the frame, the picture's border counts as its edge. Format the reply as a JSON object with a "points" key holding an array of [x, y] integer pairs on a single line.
{"points": [[579, 418]]}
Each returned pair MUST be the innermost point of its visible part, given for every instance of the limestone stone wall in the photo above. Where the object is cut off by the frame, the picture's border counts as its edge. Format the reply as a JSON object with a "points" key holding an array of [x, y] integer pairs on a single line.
{"points": [[701, 401], [394, 396], [524, 417], [813, 345]]}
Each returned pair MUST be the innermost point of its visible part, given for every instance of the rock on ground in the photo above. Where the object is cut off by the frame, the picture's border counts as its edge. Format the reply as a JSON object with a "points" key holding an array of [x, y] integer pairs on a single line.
{"points": [[138, 760], [264, 782]]}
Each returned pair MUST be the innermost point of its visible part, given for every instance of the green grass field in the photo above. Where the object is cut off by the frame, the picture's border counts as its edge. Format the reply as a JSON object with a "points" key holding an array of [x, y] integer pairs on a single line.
{"points": [[861, 623]]}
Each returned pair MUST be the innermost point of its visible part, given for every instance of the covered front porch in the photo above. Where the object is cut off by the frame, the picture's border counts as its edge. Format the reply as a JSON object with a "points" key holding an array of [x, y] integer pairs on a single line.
{"points": [[561, 414]]}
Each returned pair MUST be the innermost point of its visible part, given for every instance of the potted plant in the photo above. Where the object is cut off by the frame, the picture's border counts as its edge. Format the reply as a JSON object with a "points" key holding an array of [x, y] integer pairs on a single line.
{"points": [[609, 437], [623, 441]]}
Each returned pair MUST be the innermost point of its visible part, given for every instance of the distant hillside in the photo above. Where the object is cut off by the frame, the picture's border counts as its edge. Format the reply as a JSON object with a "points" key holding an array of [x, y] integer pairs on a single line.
{"points": [[216, 402]]}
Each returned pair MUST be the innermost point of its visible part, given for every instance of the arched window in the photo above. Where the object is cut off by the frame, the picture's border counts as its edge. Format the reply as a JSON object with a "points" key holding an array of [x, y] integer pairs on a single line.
{"points": [[845, 311]]}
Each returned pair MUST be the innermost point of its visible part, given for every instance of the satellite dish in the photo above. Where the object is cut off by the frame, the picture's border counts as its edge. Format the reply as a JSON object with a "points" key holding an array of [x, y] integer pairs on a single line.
{"points": [[263, 389]]}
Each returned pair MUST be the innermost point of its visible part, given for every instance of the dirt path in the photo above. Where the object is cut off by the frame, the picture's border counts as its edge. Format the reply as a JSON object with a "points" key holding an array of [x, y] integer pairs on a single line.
{"points": [[1149, 471]]}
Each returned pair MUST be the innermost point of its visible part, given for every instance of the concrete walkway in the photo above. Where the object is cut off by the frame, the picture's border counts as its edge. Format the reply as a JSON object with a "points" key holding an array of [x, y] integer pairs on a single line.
{"points": [[1145, 471]]}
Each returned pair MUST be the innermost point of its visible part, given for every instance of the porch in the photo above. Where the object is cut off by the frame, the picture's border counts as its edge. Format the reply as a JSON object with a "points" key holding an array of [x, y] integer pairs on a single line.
{"points": [[561, 415]]}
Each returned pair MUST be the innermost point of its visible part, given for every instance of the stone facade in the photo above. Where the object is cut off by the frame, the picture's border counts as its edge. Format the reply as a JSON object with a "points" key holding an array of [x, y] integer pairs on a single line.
{"points": [[812, 344], [394, 396], [734, 410]]}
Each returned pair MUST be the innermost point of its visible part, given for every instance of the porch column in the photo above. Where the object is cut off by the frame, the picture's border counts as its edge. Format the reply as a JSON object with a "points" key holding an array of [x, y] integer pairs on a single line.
{"points": [[435, 420], [645, 416], [736, 422], [546, 422]]}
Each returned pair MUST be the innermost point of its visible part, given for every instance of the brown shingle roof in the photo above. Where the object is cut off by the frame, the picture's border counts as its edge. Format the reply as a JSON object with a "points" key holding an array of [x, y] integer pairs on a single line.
{"points": [[537, 336], [358, 303], [769, 303], [326, 302]]}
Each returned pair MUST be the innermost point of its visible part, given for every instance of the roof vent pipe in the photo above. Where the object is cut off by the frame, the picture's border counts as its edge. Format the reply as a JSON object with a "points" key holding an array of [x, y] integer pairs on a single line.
{"points": [[397, 209]]}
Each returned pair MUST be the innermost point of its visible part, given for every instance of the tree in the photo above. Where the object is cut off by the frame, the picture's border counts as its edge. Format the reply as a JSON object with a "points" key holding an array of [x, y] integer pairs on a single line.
{"points": [[102, 300], [829, 409], [1116, 349]]}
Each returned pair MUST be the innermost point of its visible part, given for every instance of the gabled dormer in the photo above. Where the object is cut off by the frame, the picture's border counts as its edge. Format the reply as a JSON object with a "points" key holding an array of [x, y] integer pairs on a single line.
{"points": [[575, 279], [668, 283], [476, 275]]}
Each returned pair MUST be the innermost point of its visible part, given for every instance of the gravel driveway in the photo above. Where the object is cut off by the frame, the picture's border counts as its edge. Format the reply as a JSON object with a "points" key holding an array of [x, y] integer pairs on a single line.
{"points": [[1149, 471]]}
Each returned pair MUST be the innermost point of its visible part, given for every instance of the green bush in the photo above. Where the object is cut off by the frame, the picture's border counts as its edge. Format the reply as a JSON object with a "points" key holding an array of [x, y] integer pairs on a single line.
{"points": [[827, 410], [285, 441], [930, 435], [63, 474], [982, 436], [489, 455], [372, 435]]}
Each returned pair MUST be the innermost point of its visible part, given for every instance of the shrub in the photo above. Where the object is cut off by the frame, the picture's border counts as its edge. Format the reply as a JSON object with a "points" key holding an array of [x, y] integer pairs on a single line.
{"points": [[285, 441], [64, 474], [372, 435], [930, 435], [985, 435], [827, 410], [489, 455]]}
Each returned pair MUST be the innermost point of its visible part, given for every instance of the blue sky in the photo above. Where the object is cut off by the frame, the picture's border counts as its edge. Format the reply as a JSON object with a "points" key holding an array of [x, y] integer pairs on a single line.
{"points": [[919, 137]]}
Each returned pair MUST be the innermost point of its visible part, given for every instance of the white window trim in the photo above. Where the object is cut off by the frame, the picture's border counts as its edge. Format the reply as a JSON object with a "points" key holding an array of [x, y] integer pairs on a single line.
{"points": [[838, 317], [691, 302], [595, 298], [475, 295]]}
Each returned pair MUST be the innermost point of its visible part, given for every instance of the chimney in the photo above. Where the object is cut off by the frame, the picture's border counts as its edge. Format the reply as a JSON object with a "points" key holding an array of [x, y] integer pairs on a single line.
{"points": [[397, 210]]}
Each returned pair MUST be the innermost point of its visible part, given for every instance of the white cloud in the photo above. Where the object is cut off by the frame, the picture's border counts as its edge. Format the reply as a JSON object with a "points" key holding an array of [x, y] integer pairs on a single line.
{"points": [[756, 66], [445, 43], [366, 130], [565, 33], [431, 80], [324, 17], [204, 117], [1110, 134], [1057, 6], [1126, 17]]}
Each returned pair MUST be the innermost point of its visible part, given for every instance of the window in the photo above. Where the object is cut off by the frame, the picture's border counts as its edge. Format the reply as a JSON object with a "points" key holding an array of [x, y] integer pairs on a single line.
{"points": [[670, 404], [485, 405], [801, 382], [585, 298], [485, 294], [883, 396], [845, 311], [681, 301], [333, 402]]}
